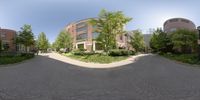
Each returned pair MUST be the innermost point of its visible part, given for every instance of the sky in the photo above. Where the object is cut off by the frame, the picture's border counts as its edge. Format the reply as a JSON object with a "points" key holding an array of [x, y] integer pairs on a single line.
{"points": [[51, 16]]}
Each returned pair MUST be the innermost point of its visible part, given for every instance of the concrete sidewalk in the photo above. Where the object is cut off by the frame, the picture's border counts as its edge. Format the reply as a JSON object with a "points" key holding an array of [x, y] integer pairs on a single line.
{"points": [[65, 59]]}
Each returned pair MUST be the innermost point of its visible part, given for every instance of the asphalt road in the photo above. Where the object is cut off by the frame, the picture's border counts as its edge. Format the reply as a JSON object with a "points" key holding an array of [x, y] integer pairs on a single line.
{"points": [[149, 78]]}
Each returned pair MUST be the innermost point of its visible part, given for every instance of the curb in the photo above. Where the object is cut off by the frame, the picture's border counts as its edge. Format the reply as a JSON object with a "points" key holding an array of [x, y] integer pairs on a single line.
{"points": [[68, 60]]}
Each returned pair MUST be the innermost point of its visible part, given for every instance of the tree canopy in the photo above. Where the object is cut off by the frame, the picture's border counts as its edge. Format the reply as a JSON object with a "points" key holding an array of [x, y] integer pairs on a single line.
{"points": [[0, 45], [184, 40], [179, 41], [63, 40], [42, 42], [160, 41], [137, 41], [109, 25], [26, 36]]}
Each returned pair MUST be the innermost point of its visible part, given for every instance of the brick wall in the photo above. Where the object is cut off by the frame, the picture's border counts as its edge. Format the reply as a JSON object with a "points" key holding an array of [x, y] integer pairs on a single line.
{"points": [[8, 36]]}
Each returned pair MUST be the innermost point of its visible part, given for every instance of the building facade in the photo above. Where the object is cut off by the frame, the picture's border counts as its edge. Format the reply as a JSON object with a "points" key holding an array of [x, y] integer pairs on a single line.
{"points": [[178, 23], [7, 38], [84, 36]]}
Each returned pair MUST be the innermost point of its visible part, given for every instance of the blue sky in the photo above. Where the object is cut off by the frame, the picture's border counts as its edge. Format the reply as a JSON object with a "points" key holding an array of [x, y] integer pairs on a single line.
{"points": [[50, 16]]}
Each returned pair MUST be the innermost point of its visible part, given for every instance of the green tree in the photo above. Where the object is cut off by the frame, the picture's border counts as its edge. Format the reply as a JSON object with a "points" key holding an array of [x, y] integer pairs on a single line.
{"points": [[184, 40], [53, 46], [0, 45], [109, 25], [137, 41], [42, 42], [160, 41], [64, 40], [26, 37]]}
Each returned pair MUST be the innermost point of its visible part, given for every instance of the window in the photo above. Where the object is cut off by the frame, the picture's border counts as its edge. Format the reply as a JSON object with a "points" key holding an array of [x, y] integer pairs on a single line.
{"points": [[5, 46], [81, 24], [173, 20], [80, 46], [85, 28], [94, 26], [173, 29], [95, 35], [98, 46], [183, 20], [3, 35], [83, 36]]}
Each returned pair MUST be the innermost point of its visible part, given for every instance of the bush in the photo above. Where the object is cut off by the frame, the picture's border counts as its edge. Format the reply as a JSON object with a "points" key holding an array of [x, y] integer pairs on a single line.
{"points": [[185, 58], [78, 52], [115, 53], [120, 52], [9, 59], [27, 55], [82, 53], [62, 50], [82, 49], [131, 52], [98, 58], [8, 54]]}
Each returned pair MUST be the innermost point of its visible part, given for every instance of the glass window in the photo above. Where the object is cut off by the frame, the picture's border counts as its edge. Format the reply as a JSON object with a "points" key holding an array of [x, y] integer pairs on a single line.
{"points": [[80, 46], [85, 28], [173, 29], [173, 20], [5, 45], [3, 35], [81, 24], [98, 46], [186, 21], [83, 36], [94, 26], [95, 35]]}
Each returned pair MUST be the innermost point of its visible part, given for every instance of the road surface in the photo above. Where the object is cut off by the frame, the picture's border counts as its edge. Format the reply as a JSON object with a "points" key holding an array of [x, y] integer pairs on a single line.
{"points": [[149, 78]]}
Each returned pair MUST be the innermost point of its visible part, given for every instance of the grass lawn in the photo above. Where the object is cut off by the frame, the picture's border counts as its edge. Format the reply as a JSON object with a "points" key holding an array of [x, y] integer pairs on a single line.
{"points": [[14, 59], [185, 58], [96, 58]]}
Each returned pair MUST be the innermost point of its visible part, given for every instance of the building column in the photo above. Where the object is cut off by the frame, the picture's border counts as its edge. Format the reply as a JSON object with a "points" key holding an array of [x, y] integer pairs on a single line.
{"points": [[84, 45], [94, 45], [76, 47]]}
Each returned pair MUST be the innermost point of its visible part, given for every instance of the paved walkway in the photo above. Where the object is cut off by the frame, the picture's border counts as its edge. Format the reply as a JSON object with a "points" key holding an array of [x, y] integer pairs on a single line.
{"points": [[65, 59], [149, 78]]}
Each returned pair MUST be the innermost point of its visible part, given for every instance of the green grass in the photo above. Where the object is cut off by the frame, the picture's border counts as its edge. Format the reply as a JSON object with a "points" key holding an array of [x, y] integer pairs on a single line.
{"points": [[96, 58], [185, 58], [14, 59]]}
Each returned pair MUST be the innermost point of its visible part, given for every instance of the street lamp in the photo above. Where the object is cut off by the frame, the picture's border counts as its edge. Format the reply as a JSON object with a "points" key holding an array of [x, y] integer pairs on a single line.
{"points": [[198, 28]]}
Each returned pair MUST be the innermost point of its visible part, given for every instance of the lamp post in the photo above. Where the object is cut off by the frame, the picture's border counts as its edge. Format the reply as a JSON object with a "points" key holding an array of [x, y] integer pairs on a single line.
{"points": [[198, 28]]}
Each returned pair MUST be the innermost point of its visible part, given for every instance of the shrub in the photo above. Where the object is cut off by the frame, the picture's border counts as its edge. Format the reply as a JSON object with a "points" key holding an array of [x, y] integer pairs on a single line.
{"points": [[9, 59], [89, 53], [131, 52], [120, 52], [185, 58], [8, 54], [82, 53], [98, 58], [82, 49], [27, 55], [78, 52], [115, 53]]}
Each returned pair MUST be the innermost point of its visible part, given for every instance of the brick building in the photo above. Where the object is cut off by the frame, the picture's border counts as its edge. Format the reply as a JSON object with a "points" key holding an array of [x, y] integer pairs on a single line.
{"points": [[7, 37], [84, 36], [178, 23], [174, 24]]}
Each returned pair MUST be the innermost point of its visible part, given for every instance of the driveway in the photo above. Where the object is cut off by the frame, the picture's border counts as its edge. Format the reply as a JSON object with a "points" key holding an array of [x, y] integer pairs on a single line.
{"points": [[150, 78]]}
